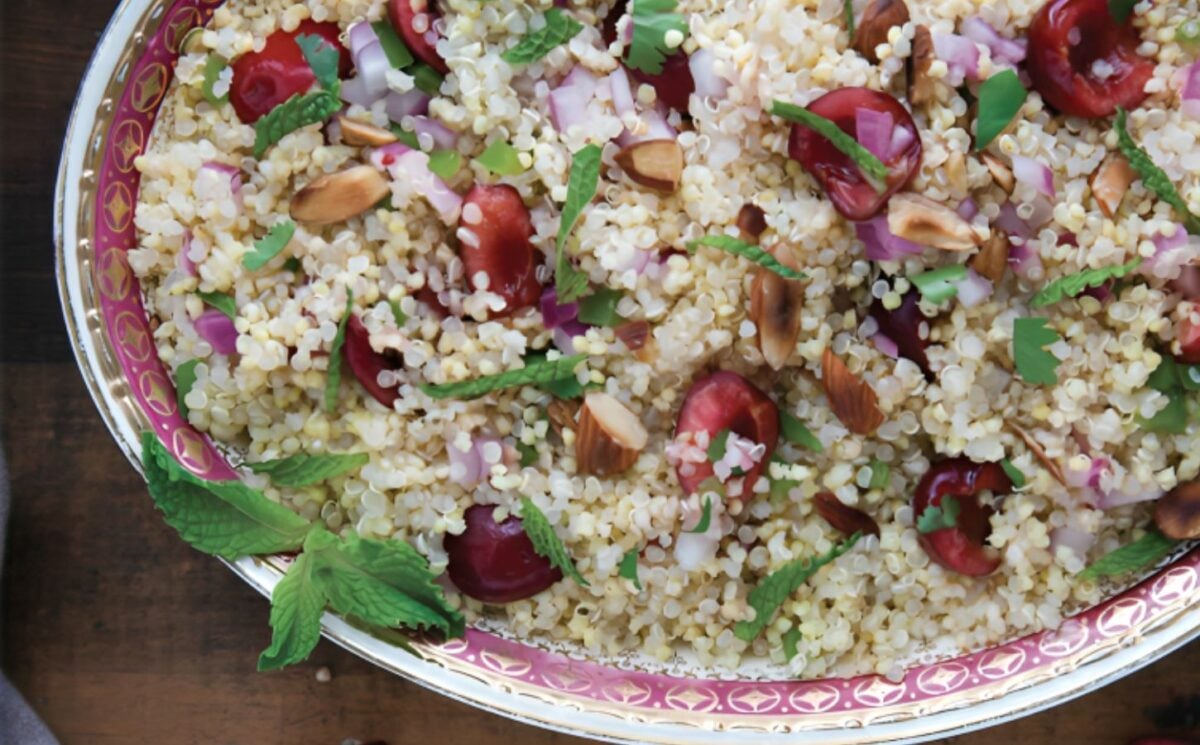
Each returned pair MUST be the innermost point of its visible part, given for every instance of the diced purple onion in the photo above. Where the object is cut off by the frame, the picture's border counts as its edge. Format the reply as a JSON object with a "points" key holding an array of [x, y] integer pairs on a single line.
{"points": [[443, 137], [568, 102], [1189, 91], [1038, 175], [901, 139], [1109, 500], [1010, 222], [415, 165], [384, 157], [973, 289], [555, 314], [880, 243], [468, 469], [354, 92], [226, 171], [873, 130], [370, 61], [218, 330], [410, 103], [709, 84], [1003, 49], [960, 55], [622, 93], [1076, 541], [1171, 254], [967, 209], [885, 345], [183, 261], [564, 335]]}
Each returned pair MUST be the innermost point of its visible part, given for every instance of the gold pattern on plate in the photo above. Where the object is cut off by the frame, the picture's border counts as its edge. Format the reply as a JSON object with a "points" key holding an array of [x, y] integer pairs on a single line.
{"points": [[179, 25], [191, 451], [131, 336], [128, 140], [113, 276], [157, 392], [149, 87], [118, 207]]}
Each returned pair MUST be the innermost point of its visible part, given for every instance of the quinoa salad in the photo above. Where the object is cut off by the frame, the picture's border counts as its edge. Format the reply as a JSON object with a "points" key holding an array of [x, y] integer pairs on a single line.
{"points": [[837, 335]]}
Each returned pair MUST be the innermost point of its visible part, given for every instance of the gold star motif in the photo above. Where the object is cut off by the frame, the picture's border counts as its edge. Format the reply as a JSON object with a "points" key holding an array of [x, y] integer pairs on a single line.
{"points": [[148, 88], [129, 146], [943, 677], [155, 392], [179, 26], [192, 452], [132, 339], [690, 698], [115, 276], [118, 207], [817, 698]]}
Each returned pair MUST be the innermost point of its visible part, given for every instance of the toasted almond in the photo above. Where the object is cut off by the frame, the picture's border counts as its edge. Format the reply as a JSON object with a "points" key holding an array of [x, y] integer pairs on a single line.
{"points": [[1001, 173], [1110, 182], [878, 18], [633, 334], [610, 436], [955, 169], [852, 401], [657, 164], [562, 415], [920, 82], [992, 259], [843, 517], [1035, 448], [1177, 513], [751, 221], [361, 134], [924, 221], [775, 306], [339, 196]]}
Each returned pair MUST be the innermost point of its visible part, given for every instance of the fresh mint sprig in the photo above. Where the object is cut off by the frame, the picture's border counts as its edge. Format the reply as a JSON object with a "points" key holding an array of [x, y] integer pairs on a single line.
{"points": [[302, 469], [333, 379], [870, 165], [221, 301], [1155, 179], [303, 109], [1073, 284], [559, 29], [185, 378], [269, 246], [569, 282], [1034, 363], [546, 542], [794, 431], [628, 569], [1000, 99], [940, 516], [537, 372], [1131, 557], [705, 516], [738, 247]]}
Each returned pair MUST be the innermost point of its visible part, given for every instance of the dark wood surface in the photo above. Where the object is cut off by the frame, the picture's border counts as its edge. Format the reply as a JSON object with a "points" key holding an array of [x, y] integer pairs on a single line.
{"points": [[113, 628]]}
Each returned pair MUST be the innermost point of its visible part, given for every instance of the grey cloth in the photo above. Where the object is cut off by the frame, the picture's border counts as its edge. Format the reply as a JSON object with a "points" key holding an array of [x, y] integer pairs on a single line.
{"points": [[18, 724]]}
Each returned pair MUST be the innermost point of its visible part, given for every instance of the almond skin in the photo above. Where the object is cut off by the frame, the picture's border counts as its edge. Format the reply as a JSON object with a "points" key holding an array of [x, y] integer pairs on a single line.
{"points": [[336, 197], [633, 334], [1110, 182], [843, 517], [561, 415], [1035, 448], [924, 221], [992, 259], [852, 401], [775, 307], [361, 134], [878, 18], [751, 221], [609, 437], [657, 164], [1177, 513], [1001, 173], [920, 84]]}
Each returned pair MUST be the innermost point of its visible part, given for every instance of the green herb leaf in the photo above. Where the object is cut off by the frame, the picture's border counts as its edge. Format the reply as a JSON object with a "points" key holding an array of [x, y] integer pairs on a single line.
{"points": [[426, 78], [221, 301], [223, 518], [872, 166], [652, 20], [1000, 99], [303, 469], [780, 488], [214, 65], [564, 388], [1188, 31], [334, 379], [559, 29], [629, 568], [445, 163], [394, 47], [292, 264], [185, 378], [546, 542], [716, 446], [1121, 9], [529, 454], [269, 246], [1014, 474], [1155, 179], [406, 137], [937, 517], [600, 308], [705, 515], [296, 606], [1073, 284], [569, 282], [796, 433], [1131, 557], [938, 285], [791, 637], [299, 111], [1034, 363], [776, 587], [501, 159], [1172, 420], [398, 315], [732, 245], [880, 474], [534, 373], [323, 58]]}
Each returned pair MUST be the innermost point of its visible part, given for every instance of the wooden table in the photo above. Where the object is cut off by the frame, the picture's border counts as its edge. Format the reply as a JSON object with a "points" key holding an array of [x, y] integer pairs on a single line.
{"points": [[113, 628]]}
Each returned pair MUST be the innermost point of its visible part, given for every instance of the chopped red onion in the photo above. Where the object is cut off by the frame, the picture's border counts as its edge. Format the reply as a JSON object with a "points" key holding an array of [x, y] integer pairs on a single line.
{"points": [[1171, 254], [568, 102], [622, 93], [399, 105], [880, 244], [1003, 49], [384, 157], [901, 139], [973, 289], [232, 174], [1076, 541], [415, 165], [555, 314], [709, 84], [873, 130], [370, 61], [967, 209], [218, 330], [564, 335], [885, 345], [960, 55], [443, 137], [1038, 175], [471, 467], [354, 92], [1189, 91], [1188, 283], [1010, 222], [1109, 500], [183, 261]]}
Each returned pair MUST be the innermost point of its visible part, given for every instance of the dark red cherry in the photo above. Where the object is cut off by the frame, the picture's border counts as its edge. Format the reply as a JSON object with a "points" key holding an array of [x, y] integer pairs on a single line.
{"points": [[726, 400], [961, 548], [495, 562]]}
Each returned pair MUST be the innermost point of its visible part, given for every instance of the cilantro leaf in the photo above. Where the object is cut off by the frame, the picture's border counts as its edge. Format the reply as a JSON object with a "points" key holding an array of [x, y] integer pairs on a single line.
{"points": [[223, 518], [1155, 179], [1121, 9], [569, 282], [185, 378], [705, 516], [546, 542], [1014, 474], [269, 246], [629, 568], [299, 111], [398, 315], [732, 245], [880, 474], [559, 29], [1073, 284], [1034, 363], [303, 469], [334, 379], [221, 301], [296, 606], [214, 65], [1000, 99], [600, 308], [872, 166], [791, 637], [535, 372], [529, 454], [652, 21], [940, 516], [780, 489], [796, 433], [716, 446], [1172, 419], [1131, 557], [776, 587], [939, 285], [501, 159], [394, 47], [445, 163], [323, 58]]}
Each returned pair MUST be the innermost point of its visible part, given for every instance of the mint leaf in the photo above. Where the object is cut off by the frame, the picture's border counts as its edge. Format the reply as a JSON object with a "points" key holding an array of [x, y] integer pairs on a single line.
{"points": [[185, 378], [652, 20], [501, 159], [1000, 99], [1073, 284], [796, 433], [1155, 179], [629, 568], [780, 489], [936, 517], [716, 446], [600, 308], [269, 246], [1131, 557], [939, 285], [398, 315], [546, 542], [1121, 9], [732, 245], [1172, 420], [303, 469], [445, 163], [334, 380], [223, 518], [221, 301], [872, 166], [705, 516], [406, 136], [298, 111], [214, 65], [559, 29], [538, 372], [426, 78], [776, 587], [1014, 474], [1188, 32], [880, 474], [1034, 363], [529, 454], [791, 637], [394, 47], [569, 282], [323, 58], [296, 606]]}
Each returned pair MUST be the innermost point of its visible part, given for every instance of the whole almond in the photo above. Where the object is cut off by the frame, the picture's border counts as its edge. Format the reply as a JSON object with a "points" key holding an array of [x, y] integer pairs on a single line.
{"points": [[920, 82], [1036, 448], [633, 334], [775, 307], [610, 436], [751, 221], [851, 400], [657, 164], [924, 221], [361, 134], [1177, 513], [878, 18], [992, 259], [336, 197], [1001, 173], [1110, 182], [843, 517]]}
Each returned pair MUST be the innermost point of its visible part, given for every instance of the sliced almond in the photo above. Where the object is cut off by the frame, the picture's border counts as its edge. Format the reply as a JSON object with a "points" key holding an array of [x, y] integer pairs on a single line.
{"points": [[843, 517], [361, 134], [1177, 513], [1035, 448], [992, 259], [775, 306], [657, 164], [924, 221], [610, 436], [852, 401], [955, 169], [878, 18], [633, 334], [339, 196], [751, 221], [1001, 173], [1110, 182], [920, 82]]}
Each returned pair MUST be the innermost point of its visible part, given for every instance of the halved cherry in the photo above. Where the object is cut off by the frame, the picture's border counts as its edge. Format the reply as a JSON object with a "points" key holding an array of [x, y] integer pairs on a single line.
{"points": [[500, 246], [962, 548], [843, 181], [406, 17], [726, 400], [366, 363], [674, 85], [263, 80], [1189, 338], [495, 562], [903, 326], [1083, 62]]}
